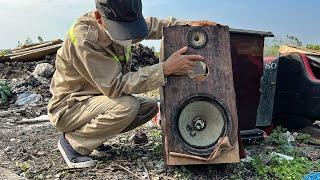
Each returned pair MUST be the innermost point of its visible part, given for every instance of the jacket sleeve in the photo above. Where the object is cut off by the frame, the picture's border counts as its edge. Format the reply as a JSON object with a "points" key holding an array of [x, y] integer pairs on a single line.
{"points": [[105, 73], [156, 26]]}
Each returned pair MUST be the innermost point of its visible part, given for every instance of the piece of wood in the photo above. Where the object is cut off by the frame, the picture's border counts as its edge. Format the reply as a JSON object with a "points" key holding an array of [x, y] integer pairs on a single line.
{"points": [[36, 53], [284, 49], [25, 46], [29, 51], [219, 83], [146, 170], [50, 43], [130, 172]]}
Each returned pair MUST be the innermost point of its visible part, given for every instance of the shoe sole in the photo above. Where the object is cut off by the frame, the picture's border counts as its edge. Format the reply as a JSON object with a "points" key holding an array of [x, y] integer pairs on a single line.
{"points": [[75, 165]]}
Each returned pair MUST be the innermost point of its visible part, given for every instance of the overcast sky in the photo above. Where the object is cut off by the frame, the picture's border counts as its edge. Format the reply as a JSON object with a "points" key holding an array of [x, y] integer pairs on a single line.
{"points": [[51, 19]]}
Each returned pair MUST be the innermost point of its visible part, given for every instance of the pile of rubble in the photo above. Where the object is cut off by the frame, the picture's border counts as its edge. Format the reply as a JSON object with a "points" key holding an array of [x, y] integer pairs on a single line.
{"points": [[142, 56], [28, 140], [29, 79]]}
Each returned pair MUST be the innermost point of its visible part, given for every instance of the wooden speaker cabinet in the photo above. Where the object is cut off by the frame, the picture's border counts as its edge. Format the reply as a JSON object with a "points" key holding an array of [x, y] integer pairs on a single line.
{"points": [[199, 116]]}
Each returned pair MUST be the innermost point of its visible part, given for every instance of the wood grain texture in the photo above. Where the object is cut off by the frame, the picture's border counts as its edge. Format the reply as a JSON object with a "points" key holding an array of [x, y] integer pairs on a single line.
{"points": [[219, 84]]}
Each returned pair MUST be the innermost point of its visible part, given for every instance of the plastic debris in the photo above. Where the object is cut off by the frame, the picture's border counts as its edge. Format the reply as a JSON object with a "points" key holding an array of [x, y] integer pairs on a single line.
{"points": [[282, 156], [289, 137], [312, 176], [317, 123], [247, 159], [45, 70], [27, 98]]}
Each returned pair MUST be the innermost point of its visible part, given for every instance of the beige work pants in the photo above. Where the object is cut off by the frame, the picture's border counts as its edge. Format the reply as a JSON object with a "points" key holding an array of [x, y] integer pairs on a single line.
{"points": [[90, 123]]}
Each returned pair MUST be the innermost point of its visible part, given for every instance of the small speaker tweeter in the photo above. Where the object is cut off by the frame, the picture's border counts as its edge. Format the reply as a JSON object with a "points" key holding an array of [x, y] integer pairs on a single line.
{"points": [[197, 38]]}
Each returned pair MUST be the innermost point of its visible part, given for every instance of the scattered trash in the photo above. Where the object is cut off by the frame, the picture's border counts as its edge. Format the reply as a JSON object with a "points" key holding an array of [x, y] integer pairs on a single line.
{"points": [[140, 138], [314, 134], [44, 70], [5, 92], [282, 156], [289, 137], [27, 99], [247, 159], [40, 119], [317, 123], [252, 136], [160, 164]]}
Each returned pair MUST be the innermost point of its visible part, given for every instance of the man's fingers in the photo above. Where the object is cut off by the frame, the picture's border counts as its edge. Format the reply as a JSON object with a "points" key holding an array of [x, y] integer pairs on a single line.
{"points": [[182, 50], [194, 57], [192, 63], [187, 67]]}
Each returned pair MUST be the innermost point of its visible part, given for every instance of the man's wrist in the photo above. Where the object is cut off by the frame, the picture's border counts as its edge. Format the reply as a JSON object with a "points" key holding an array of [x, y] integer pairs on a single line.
{"points": [[165, 69]]}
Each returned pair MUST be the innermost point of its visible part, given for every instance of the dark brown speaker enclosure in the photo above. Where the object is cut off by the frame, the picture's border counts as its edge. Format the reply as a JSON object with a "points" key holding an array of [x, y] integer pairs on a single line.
{"points": [[217, 87]]}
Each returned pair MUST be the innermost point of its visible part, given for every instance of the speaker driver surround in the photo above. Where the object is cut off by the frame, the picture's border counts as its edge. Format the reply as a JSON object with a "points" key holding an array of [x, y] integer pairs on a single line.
{"points": [[199, 123]]}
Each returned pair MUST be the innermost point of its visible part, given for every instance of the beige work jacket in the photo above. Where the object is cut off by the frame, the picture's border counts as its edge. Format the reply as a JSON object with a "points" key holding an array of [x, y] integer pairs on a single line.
{"points": [[90, 64]]}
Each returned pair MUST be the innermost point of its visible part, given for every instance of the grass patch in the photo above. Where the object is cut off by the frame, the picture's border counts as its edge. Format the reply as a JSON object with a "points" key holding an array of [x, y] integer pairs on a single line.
{"points": [[279, 168], [269, 166]]}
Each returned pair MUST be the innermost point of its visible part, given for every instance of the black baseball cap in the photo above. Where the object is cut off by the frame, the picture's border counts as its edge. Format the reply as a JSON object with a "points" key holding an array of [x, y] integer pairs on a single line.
{"points": [[124, 18]]}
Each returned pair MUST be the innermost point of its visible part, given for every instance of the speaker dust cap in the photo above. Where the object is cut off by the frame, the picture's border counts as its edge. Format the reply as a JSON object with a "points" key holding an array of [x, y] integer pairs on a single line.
{"points": [[200, 123]]}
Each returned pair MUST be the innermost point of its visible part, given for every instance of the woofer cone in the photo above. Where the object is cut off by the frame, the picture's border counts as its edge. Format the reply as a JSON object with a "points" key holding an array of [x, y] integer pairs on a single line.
{"points": [[199, 122]]}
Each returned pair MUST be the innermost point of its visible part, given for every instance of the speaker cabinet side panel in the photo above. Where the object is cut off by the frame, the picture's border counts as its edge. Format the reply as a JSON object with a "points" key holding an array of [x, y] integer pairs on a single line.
{"points": [[247, 59]]}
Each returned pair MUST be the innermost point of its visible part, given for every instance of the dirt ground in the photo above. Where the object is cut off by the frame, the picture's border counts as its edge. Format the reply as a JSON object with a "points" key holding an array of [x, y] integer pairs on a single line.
{"points": [[30, 150]]}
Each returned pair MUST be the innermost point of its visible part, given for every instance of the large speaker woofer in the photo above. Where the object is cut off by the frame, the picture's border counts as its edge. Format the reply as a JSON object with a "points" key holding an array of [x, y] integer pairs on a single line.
{"points": [[199, 123]]}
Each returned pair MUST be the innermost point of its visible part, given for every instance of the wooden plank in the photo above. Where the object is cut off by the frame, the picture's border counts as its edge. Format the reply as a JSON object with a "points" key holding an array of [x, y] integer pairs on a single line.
{"points": [[25, 46], [50, 43], [36, 53], [294, 49]]}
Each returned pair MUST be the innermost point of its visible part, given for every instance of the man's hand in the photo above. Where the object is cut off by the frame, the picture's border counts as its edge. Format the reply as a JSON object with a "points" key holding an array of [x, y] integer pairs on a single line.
{"points": [[203, 23], [179, 64]]}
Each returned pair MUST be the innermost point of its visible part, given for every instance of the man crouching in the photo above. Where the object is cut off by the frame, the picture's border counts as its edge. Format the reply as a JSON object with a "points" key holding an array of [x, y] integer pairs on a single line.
{"points": [[92, 85]]}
